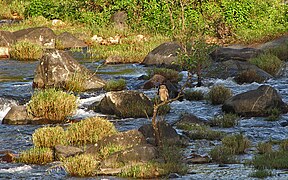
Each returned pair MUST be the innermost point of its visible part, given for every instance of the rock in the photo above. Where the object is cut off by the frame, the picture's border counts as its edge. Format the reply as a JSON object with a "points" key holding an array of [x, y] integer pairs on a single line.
{"points": [[66, 40], [119, 20], [126, 104], [255, 102], [17, 115], [124, 139], [7, 157], [114, 59], [62, 152], [232, 68], [234, 53], [165, 54], [189, 119], [198, 159], [167, 133], [154, 82], [57, 67], [140, 153], [40, 35], [4, 52], [7, 38]]}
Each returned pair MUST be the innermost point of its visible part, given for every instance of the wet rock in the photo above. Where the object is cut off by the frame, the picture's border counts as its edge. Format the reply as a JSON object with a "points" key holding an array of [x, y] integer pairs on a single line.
{"points": [[57, 67], [7, 156], [167, 133], [66, 151], [154, 82], [255, 102], [40, 35], [66, 40], [234, 53], [189, 119], [173, 176], [124, 139], [126, 104], [6, 40], [198, 159], [140, 153], [163, 55], [17, 115]]}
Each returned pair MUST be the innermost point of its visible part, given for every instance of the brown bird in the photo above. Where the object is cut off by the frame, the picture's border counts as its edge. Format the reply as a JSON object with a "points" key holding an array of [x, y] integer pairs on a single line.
{"points": [[163, 93]]}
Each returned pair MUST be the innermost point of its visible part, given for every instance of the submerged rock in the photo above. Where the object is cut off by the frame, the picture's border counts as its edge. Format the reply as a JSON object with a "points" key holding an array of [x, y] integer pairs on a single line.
{"points": [[256, 102]]}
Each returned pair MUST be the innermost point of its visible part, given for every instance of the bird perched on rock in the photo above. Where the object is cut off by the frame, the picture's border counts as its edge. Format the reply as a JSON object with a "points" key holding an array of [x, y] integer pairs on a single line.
{"points": [[163, 93]]}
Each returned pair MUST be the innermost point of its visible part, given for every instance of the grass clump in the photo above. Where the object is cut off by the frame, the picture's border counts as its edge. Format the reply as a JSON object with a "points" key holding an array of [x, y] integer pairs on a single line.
{"points": [[222, 155], [268, 62], [263, 173], [170, 74], [284, 145], [115, 85], [272, 160], [195, 95], [49, 137], [195, 131], [144, 170], [225, 121], [273, 114], [36, 156], [219, 94], [105, 151], [77, 82], [81, 165], [248, 76], [89, 130], [237, 143], [264, 147], [52, 104], [25, 50]]}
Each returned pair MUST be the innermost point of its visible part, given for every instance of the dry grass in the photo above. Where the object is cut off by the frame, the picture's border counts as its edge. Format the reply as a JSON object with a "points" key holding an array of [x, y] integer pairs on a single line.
{"points": [[25, 51], [219, 94], [36, 156]]}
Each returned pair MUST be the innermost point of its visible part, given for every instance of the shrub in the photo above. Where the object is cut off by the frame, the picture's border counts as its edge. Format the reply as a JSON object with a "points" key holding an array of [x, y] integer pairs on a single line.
{"points": [[77, 82], [219, 94], [25, 50], [194, 95], [272, 160], [81, 165], [261, 174], [225, 120], [268, 62], [115, 85], [36, 156], [49, 137], [237, 143], [264, 147], [52, 104], [248, 76], [89, 130], [222, 155], [170, 74]]}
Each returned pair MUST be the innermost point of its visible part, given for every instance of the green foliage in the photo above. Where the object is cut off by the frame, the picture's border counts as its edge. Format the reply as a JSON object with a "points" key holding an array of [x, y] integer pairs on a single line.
{"points": [[264, 147], [268, 62], [225, 120], [81, 165], [170, 74], [115, 85], [105, 151], [52, 104], [248, 76], [26, 50], [36, 156], [272, 160], [263, 173], [237, 143], [219, 94], [49, 137], [195, 95], [89, 130]]}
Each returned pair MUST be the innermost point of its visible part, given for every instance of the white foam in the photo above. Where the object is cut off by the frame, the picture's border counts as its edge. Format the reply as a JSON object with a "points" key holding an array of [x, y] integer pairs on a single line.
{"points": [[81, 114], [16, 169], [3, 111], [90, 100]]}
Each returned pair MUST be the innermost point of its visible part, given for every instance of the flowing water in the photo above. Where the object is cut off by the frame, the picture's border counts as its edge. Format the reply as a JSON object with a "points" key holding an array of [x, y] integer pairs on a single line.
{"points": [[15, 88]]}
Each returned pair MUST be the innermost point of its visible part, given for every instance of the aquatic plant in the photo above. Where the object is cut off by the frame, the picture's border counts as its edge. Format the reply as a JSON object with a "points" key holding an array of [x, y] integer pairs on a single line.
{"points": [[194, 95], [36, 156], [49, 137], [170, 74], [115, 85], [89, 130], [77, 82], [81, 165], [262, 173], [237, 143], [226, 120], [109, 149], [219, 94], [272, 160], [264, 147], [26, 50], [52, 104], [222, 155]]}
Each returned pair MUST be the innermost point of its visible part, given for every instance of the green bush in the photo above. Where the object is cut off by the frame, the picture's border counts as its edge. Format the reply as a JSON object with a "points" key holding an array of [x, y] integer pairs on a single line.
{"points": [[272, 160], [36, 156], [52, 104], [268, 62], [25, 50], [219, 94], [236, 143], [195, 95], [49, 137], [89, 130], [261, 174], [115, 85], [225, 120]]}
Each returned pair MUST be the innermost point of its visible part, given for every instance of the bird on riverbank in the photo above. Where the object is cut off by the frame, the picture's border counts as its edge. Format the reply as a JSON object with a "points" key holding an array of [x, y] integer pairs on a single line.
{"points": [[163, 93]]}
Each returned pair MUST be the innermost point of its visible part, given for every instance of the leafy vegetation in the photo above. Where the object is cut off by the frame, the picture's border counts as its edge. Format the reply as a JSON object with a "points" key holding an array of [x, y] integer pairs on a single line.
{"points": [[26, 50], [115, 85]]}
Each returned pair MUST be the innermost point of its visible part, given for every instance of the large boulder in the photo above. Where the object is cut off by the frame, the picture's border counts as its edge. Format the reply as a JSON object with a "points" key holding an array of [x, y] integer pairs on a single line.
{"points": [[17, 115], [154, 82], [57, 67], [6, 40], [234, 53], [165, 54], [40, 35], [126, 104], [66, 40], [256, 102]]}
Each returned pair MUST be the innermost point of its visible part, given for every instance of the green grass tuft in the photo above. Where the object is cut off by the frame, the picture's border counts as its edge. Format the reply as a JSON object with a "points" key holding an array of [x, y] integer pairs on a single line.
{"points": [[219, 94], [36, 156], [115, 85], [225, 121], [25, 50], [49, 137]]}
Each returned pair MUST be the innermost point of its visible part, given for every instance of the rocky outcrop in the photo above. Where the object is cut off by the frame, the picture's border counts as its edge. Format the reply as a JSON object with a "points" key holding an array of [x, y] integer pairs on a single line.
{"points": [[40, 35], [126, 104], [165, 54], [66, 40], [255, 102], [62, 152], [57, 67]]}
